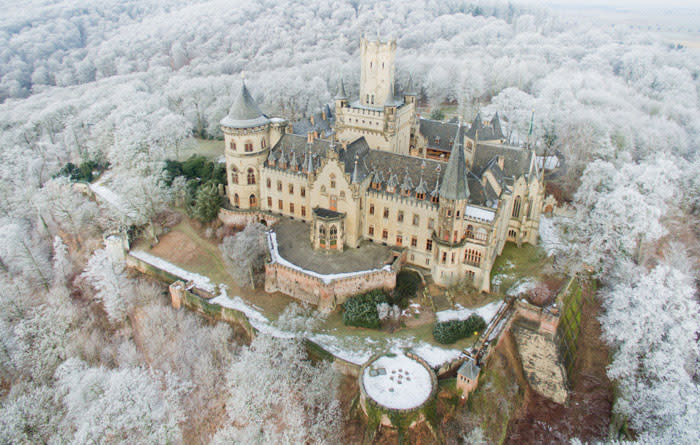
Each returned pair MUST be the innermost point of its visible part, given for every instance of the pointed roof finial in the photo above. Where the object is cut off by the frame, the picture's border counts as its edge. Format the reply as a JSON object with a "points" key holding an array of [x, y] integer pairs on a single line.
{"points": [[409, 87], [245, 112], [356, 170], [455, 185], [341, 94]]}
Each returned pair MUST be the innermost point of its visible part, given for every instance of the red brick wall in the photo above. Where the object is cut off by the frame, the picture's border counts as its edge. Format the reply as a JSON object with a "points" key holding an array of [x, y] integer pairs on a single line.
{"points": [[314, 291]]}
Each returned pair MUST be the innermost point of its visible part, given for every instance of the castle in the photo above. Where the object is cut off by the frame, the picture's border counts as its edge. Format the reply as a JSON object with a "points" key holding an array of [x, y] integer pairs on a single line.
{"points": [[446, 195]]}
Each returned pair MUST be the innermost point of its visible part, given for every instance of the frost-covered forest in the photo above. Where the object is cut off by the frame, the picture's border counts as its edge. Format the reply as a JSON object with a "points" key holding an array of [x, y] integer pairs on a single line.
{"points": [[89, 353]]}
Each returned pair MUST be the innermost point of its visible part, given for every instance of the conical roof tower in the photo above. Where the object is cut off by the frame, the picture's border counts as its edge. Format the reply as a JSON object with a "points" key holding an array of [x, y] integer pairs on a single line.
{"points": [[454, 183], [245, 112]]}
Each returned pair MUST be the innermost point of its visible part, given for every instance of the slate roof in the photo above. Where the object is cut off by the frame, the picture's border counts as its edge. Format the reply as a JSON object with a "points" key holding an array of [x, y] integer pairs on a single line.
{"points": [[439, 135], [454, 183], [387, 170], [489, 132], [324, 127], [516, 160], [327, 214], [244, 112], [469, 369]]}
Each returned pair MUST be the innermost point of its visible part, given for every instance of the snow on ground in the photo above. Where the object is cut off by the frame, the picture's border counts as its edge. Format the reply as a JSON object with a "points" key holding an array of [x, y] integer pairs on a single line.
{"points": [[326, 278], [486, 312], [550, 235], [200, 281], [256, 318], [521, 287], [355, 349], [397, 382], [435, 355], [109, 197]]}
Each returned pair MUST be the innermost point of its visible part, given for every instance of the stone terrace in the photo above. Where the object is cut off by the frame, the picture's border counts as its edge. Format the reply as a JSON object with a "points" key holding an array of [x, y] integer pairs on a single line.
{"points": [[294, 246]]}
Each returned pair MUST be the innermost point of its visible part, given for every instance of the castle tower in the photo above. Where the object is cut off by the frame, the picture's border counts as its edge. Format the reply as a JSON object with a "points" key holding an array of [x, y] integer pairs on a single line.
{"points": [[454, 194], [377, 75], [248, 136]]}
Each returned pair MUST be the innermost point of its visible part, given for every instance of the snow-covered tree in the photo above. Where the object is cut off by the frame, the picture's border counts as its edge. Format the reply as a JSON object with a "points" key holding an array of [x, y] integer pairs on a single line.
{"points": [[118, 405], [114, 289], [245, 252], [652, 320], [276, 395]]}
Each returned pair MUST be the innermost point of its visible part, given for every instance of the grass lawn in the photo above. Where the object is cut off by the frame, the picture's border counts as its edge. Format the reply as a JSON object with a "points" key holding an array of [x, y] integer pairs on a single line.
{"points": [[211, 149], [187, 247], [517, 263]]}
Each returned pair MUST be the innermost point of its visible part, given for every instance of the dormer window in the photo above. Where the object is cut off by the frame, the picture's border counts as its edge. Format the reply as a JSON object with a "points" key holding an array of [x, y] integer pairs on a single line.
{"points": [[437, 140], [434, 199], [420, 195]]}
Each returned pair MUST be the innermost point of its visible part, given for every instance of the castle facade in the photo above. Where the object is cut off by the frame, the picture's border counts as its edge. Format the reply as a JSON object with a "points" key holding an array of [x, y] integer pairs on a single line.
{"points": [[448, 195]]}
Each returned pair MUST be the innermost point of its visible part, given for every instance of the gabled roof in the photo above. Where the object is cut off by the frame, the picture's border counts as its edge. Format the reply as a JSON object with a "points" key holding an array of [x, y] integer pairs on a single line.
{"points": [[438, 135], [455, 185], [489, 132], [245, 112]]}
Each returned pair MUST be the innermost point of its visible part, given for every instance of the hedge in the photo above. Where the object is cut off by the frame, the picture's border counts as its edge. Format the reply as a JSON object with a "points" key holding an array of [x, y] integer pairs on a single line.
{"points": [[447, 332]]}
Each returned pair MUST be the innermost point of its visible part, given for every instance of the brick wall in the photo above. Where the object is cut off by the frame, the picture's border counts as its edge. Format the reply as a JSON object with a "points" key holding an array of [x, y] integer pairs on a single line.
{"points": [[326, 296]]}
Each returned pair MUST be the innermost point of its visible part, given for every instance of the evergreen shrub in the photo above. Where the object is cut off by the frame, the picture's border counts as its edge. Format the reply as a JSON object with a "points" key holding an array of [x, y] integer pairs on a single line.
{"points": [[447, 332]]}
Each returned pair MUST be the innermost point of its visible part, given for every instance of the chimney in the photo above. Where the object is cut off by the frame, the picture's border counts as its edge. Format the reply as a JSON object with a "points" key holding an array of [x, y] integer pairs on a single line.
{"points": [[311, 119], [323, 115], [310, 137], [501, 161]]}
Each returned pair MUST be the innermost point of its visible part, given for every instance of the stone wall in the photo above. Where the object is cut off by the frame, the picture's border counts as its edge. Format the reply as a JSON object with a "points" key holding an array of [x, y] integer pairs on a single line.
{"points": [[325, 295], [241, 218]]}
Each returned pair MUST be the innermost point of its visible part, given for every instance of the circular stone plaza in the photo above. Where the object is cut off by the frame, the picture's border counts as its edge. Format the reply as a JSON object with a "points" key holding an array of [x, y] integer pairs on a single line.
{"points": [[396, 383]]}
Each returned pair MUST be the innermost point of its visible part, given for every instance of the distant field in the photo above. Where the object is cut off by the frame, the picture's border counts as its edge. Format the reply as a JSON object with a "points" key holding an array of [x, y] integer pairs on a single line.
{"points": [[209, 148]]}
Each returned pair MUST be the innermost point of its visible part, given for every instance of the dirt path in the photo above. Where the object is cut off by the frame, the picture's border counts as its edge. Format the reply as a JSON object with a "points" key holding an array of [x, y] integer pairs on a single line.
{"points": [[587, 414]]}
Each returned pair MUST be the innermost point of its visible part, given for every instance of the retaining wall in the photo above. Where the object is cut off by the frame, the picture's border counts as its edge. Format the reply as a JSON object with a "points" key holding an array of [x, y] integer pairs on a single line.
{"points": [[325, 295]]}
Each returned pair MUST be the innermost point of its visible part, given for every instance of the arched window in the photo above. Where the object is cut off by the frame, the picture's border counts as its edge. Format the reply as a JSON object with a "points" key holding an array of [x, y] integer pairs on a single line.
{"points": [[268, 182], [236, 200], [481, 234], [323, 189], [334, 235], [516, 207], [529, 208], [232, 145], [253, 201], [322, 236], [263, 144], [332, 181], [251, 176], [342, 195], [234, 175], [248, 146]]}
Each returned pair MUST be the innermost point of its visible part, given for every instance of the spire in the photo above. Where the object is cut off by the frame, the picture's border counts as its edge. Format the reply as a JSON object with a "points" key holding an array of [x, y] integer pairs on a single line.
{"points": [[245, 111], [293, 161], [309, 161], [409, 87], [455, 185], [436, 190], [282, 160], [356, 170], [421, 187], [341, 91], [407, 184]]}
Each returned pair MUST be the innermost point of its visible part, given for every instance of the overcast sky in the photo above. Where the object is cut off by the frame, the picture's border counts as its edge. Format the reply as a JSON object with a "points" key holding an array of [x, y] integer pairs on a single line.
{"points": [[631, 4]]}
